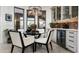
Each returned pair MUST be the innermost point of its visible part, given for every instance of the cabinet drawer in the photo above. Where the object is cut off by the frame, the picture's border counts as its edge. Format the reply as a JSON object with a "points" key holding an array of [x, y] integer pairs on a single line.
{"points": [[73, 44], [68, 38], [71, 48], [70, 32], [73, 38], [68, 41]]}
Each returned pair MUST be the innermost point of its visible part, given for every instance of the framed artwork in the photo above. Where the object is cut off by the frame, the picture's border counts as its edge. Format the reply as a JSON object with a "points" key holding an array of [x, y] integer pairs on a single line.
{"points": [[8, 17]]}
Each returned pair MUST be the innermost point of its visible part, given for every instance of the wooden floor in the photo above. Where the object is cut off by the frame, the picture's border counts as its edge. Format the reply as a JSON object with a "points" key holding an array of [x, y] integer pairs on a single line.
{"points": [[5, 48]]}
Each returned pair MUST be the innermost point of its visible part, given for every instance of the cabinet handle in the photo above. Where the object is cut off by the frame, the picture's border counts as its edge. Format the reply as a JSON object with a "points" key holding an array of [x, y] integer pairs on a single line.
{"points": [[71, 32], [71, 40], [71, 46], [71, 36]]}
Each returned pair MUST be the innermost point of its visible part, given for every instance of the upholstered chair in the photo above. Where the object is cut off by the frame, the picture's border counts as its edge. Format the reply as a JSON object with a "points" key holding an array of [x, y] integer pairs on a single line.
{"points": [[44, 41], [19, 41]]}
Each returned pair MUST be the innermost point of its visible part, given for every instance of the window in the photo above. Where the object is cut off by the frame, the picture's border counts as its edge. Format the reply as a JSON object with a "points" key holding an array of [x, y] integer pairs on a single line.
{"points": [[42, 20], [39, 19], [30, 21], [30, 18], [66, 12]]}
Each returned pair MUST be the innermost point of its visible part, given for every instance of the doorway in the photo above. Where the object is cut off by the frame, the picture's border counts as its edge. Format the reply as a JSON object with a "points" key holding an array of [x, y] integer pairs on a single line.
{"points": [[18, 18]]}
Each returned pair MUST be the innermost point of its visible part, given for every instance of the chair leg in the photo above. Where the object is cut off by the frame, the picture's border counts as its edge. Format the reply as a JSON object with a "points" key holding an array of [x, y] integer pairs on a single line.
{"points": [[33, 47], [12, 48], [47, 48], [51, 46], [23, 49]]}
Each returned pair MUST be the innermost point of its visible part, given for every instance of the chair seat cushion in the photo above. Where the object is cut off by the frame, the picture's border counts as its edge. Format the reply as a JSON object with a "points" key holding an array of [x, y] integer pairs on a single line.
{"points": [[41, 40], [29, 40]]}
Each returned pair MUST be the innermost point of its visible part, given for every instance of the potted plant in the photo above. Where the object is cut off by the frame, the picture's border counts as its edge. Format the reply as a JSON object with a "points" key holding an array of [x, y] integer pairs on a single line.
{"points": [[53, 25]]}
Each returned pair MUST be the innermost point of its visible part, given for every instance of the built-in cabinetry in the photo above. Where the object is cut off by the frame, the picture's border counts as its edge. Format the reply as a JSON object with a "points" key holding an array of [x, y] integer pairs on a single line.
{"points": [[54, 37], [56, 13], [64, 12], [61, 38], [74, 11], [66, 38], [59, 13], [71, 40]]}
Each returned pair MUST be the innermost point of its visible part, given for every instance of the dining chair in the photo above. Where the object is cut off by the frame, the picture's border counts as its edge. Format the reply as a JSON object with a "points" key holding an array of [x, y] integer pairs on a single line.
{"points": [[44, 41], [19, 41], [42, 32], [22, 32]]}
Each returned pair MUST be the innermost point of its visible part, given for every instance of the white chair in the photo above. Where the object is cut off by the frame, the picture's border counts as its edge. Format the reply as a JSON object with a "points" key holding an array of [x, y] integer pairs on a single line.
{"points": [[44, 41], [22, 32], [19, 41], [41, 31]]}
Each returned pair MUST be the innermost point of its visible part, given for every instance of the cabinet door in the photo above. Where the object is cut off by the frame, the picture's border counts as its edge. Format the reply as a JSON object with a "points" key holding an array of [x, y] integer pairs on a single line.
{"points": [[54, 35], [59, 13], [71, 41], [66, 12], [74, 11], [56, 13]]}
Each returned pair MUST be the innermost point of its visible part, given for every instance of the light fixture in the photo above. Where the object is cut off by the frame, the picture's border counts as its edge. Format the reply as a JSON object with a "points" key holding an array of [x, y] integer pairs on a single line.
{"points": [[35, 9]]}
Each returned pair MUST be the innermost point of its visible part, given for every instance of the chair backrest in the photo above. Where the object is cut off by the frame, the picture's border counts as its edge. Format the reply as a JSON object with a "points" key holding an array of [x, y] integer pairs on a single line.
{"points": [[49, 36], [47, 33], [40, 30], [21, 30], [16, 38]]}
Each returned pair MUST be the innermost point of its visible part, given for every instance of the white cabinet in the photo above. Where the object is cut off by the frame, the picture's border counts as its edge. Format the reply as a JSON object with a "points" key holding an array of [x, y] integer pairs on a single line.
{"points": [[54, 35], [71, 40]]}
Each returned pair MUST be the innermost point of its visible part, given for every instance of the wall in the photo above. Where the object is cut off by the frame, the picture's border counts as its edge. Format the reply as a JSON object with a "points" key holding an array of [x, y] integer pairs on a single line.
{"points": [[48, 15], [78, 31], [6, 24], [0, 24]]}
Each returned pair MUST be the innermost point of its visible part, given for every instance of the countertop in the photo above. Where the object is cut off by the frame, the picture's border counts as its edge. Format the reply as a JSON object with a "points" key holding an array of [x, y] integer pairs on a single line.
{"points": [[64, 29]]}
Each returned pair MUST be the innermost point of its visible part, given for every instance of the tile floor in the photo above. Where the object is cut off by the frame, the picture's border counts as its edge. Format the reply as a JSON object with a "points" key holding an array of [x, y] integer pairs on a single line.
{"points": [[5, 48]]}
